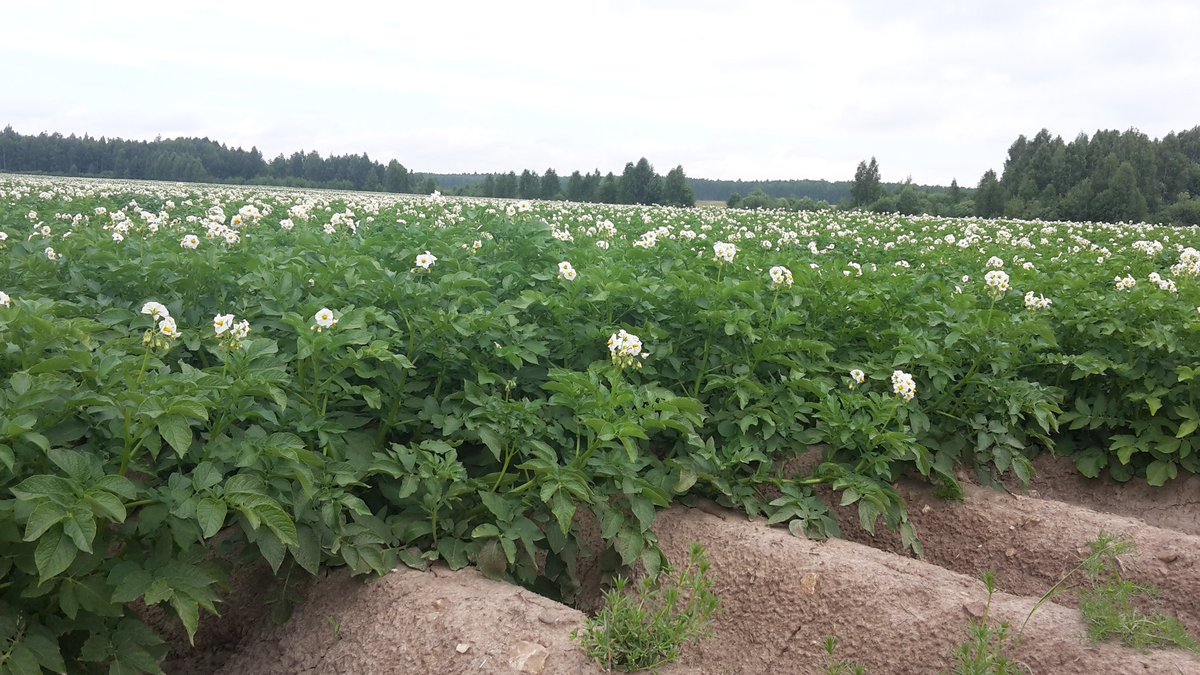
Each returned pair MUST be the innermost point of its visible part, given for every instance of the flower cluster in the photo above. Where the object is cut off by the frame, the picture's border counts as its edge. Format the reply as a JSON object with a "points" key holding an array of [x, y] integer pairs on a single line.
{"points": [[994, 263], [997, 281], [566, 272], [166, 325], [324, 319], [625, 348], [190, 241], [904, 385], [1124, 283], [781, 276], [1167, 285], [724, 252], [5, 299], [857, 377], [1148, 247], [1037, 301], [855, 269], [1189, 263], [231, 333]]}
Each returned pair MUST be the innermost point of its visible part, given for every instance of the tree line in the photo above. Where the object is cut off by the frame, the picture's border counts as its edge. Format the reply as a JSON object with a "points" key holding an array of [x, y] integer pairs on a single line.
{"points": [[1113, 176], [637, 184], [207, 161]]}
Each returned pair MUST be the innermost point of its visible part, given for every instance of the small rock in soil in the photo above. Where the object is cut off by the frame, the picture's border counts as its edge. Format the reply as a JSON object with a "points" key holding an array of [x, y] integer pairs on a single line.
{"points": [[808, 584], [528, 657], [462, 648]]}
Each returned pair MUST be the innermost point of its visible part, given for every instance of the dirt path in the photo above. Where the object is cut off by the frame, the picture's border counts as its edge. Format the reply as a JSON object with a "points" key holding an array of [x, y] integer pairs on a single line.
{"points": [[782, 596]]}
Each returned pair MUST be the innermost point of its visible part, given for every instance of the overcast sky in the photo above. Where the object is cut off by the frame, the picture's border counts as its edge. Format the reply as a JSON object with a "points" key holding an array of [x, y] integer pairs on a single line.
{"points": [[935, 90]]}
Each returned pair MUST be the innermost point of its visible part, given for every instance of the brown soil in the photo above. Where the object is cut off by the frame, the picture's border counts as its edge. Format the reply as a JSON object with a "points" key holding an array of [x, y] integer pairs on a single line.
{"points": [[781, 596], [1174, 506]]}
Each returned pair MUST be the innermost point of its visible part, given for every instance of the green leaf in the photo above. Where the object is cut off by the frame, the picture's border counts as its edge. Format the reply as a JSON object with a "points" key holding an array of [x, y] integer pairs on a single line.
{"points": [[244, 483], [158, 591], [1160, 471], [118, 485], [43, 485], [643, 510], [54, 554], [279, 522], [210, 513], [188, 408], [687, 479], [652, 562], [131, 582], [629, 545], [485, 530], [272, 549], [44, 516], [491, 560], [22, 661], [189, 613], [67, 601], [176, 432], [1186, 427], [81, 528], [46, 650], [74, 464], [1154, 403], [1091, 462], [564, 511], [106, 505], [308, 552], [500, 507], [205, 475]]}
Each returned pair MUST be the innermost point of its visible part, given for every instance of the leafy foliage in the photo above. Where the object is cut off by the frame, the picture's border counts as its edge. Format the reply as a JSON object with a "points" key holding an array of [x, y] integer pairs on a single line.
{"points": [[466, 410]]}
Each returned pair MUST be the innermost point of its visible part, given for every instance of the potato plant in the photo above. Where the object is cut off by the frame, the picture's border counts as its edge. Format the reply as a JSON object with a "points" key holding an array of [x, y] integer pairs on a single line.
{"points": [[197, 377]]}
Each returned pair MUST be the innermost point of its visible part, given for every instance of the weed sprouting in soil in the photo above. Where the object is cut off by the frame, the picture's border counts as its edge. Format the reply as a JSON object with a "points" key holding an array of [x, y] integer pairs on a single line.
{"points": [[1111, 607], [1109, 604], [986, 651], [835, 666], [646, 628]]}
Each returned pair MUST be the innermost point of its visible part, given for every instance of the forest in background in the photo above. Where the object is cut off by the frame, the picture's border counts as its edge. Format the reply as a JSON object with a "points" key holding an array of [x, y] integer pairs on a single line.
{"points": [[1110, 176]]}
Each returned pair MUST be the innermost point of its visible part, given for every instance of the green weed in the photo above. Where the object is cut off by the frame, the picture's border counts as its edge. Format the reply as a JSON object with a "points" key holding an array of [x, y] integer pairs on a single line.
{"points": [[647, 627], [1112, 606]]}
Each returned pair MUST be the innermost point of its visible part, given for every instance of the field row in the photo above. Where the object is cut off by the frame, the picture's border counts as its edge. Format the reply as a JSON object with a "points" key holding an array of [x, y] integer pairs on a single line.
{"points": [[361, 380]]}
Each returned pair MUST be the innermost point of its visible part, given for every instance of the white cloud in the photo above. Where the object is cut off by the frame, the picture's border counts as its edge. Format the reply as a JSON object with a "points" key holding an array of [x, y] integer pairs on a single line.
{"points": [[757, 90]]}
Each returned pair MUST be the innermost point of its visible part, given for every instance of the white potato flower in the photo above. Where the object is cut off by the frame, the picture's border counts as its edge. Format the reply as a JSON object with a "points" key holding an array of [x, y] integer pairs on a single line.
{"points": [[1037, 301], [566, 272], [781, 276], [167, 327], [239, 330], [724, 252], [625, 348], [324, 319], [904, 385], [997, 281], [190, 241], [222, 323], [155, 309], [426, 260]]}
